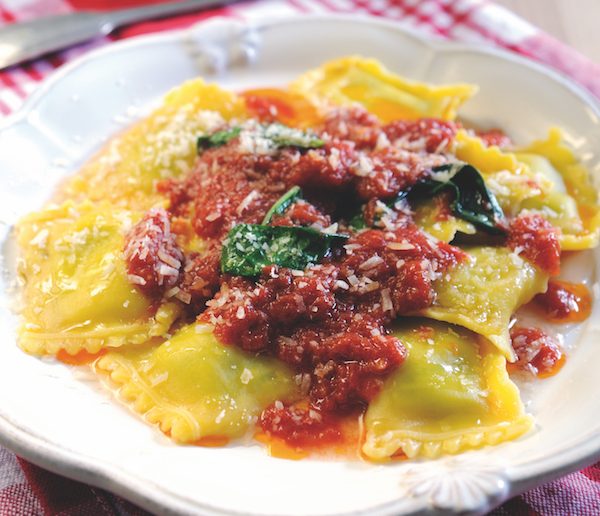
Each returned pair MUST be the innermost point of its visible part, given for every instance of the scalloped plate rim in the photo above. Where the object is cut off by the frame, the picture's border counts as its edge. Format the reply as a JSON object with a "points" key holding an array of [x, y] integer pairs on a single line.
{"points": [[62, 460]]}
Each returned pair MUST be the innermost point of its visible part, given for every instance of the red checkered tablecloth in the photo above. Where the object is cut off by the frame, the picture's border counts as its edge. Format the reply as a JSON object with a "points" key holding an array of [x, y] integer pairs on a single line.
{"points": [[26, 489]]}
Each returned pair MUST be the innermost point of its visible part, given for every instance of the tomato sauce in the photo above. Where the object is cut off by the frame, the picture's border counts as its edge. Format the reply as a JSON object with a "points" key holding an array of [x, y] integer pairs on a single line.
{"points": [[153, 259], [274, 105], [537, 352], [437, 134], [565, 302], [298, 431], [301, 427], [330, 322], [495, 137], [536, 239]]}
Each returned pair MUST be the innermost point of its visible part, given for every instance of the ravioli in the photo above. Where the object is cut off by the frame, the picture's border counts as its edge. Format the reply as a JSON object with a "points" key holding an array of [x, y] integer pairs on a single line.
{"points": [[192, 386], [76, 293], [487, 160], [511, 181], [161, 146], [573, 204], [353, 80], [545, 178], [482, 293], [318, 331], [557, 206], [451, 394]]}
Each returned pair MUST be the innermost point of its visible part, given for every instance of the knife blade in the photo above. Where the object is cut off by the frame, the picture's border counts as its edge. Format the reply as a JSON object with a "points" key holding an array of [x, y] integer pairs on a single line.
{"points": [[26, 40]]}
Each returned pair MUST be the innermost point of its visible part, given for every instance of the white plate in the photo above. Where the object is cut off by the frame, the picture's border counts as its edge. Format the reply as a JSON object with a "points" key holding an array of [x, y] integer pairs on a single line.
{"points": [[63, 421]]}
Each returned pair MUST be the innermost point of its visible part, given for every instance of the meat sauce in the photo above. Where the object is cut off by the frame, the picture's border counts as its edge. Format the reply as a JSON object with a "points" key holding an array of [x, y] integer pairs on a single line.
{"points": [[536, 239], [153, 258], [537, 352], [495, 137], [330, 322]]}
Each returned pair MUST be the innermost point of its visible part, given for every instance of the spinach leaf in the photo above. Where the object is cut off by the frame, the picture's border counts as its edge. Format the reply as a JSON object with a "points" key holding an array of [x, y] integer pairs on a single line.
{"points": [[283, 203], [283, 136], [250, 247], [472, 201], [217, 139], [358, 221], [277, 136]]}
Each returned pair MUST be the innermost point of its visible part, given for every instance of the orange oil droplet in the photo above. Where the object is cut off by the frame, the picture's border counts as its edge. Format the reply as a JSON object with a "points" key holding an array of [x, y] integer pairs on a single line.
{"points": [[557, 366], [212, 441], [565, 302], [81, 358]]}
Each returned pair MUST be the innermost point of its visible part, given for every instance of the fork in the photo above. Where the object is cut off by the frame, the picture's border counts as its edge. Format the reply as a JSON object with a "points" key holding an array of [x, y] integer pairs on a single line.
{"points": [[23, 41]]}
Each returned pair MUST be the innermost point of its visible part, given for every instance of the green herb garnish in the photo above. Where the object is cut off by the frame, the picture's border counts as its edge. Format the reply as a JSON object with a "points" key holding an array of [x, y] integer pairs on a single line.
{"points": [[277, 136], [250, 247], [358, 221], [283, 136], [283, 203], [217, 139], [472, 201]]}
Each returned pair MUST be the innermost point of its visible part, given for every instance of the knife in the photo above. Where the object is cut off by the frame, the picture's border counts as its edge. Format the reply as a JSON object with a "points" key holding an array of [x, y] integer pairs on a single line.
{"points": [[22, 41]]}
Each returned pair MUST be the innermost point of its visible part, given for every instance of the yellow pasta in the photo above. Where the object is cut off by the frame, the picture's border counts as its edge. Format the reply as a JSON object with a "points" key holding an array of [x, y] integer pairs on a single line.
{"points": [[76, 293], [161, 146], [433, 218], [452, 394], [482, 293], [192, 386], [573, 205], [544, 177], [352, 80], [510, 180]]}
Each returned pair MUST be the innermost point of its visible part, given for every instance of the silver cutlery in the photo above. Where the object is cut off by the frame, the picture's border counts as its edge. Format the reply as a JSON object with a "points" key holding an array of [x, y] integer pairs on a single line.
{"points": [[22, 41]]}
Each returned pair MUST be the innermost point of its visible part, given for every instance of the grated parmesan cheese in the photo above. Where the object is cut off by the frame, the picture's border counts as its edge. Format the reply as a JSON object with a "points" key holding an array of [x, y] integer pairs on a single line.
{"points": [[168, 259], [364, 166], [185, 297], [386, 301], [246, 376], [135, 279], [334, 158], [220, 416], [40, 240], [247, 201], [160, 378], [400, 246], [171, 292], [372, 262], [342, 284]]}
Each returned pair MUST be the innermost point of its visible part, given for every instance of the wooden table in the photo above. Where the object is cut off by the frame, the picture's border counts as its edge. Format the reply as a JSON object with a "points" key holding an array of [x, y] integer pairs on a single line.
{"points": [[573, 21]]}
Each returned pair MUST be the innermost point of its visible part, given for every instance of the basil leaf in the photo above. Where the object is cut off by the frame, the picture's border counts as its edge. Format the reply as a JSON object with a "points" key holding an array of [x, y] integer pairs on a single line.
{"points": [[250, 247], [283, 136], [358, 221], [277, 136], [283, 203], [217, 139], [472, 201]]}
